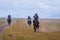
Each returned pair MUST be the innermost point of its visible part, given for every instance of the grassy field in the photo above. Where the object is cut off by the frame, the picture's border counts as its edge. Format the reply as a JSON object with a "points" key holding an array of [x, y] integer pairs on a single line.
{"points": [[2, 21], [49, 30]]}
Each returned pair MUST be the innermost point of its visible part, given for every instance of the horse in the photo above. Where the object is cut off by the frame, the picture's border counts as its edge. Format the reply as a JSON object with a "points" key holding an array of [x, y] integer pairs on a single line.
{"points": [[36, 25], [9, 20], [29, 21]]}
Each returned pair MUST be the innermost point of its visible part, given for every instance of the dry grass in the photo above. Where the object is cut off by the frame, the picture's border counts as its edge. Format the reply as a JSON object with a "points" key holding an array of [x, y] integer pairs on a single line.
{"points": [[2, 22], [21, 31]]}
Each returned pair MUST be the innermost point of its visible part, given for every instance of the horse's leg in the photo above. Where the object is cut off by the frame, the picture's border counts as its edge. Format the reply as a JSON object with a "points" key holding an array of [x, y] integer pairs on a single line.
{"points": [[37, 28], [9, 23], [34, 28], [29, 23]]}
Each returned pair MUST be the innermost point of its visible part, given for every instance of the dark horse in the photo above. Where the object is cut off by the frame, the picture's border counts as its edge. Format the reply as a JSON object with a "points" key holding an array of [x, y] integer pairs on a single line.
{"points": [[36, 25], [29, 21], [9, 20]]}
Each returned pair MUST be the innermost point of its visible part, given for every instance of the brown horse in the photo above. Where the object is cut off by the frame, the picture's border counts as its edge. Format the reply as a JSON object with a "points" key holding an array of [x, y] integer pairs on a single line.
{"points": [[36, 25]]}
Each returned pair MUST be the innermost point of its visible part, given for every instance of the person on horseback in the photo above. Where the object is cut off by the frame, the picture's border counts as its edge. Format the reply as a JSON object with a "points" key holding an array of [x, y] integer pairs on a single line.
{"points": [[9, 20], [36, 16], [29, 21], [36, 23]]}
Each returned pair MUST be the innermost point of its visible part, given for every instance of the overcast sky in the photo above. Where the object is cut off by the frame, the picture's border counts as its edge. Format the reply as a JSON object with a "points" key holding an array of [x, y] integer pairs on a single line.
{"points": [[24, 8]]}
